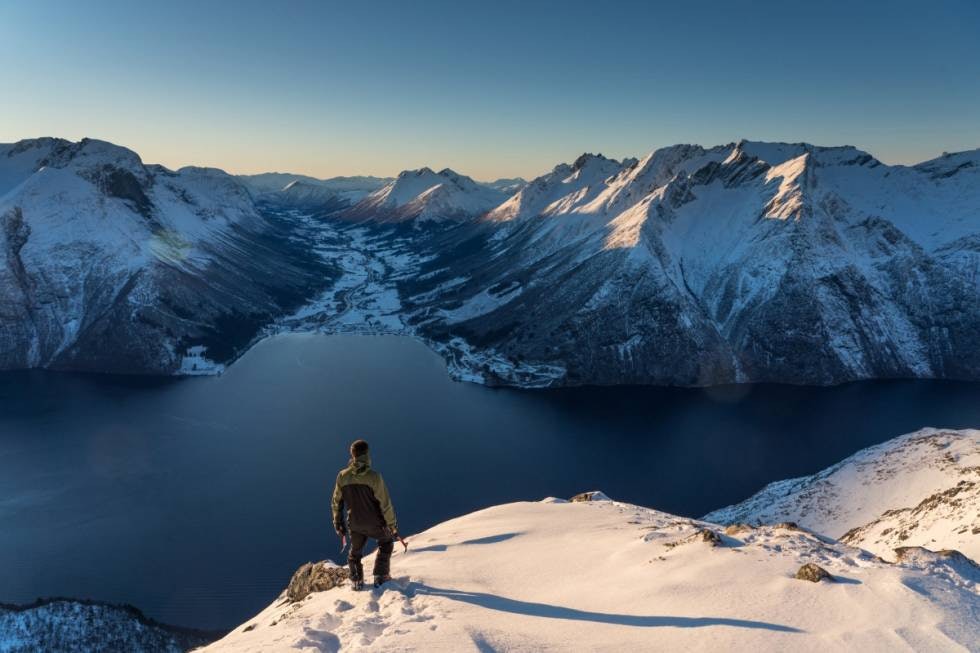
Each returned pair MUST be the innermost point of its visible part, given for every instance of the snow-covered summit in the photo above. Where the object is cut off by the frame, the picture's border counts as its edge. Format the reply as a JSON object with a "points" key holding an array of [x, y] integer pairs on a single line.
{"points": [[609, 576], [427, 195], [92, 188], [556, 192], [776, 154], [103, 258], [273, 182], [302, 192], [920, 489], [953, 163], [19, 161], [508, 185]]}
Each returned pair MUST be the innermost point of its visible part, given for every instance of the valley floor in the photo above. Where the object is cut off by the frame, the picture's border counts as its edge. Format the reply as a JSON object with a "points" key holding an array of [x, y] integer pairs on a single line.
{"points": [[366, 300]]}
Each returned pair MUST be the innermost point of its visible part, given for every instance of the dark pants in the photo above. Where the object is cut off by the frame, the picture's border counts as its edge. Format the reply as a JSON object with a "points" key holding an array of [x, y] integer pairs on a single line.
{"points": [[382, 562]]}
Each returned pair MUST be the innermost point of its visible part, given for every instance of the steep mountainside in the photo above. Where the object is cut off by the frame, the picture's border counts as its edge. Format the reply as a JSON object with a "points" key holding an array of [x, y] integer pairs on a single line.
{"points": [[69, 626], [107, 264], [745, 262], [606, 576], [921, 489]]}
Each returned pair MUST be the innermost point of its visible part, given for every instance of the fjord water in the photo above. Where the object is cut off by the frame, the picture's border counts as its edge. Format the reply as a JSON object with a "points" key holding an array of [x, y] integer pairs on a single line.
{"points": [[195, 499]]}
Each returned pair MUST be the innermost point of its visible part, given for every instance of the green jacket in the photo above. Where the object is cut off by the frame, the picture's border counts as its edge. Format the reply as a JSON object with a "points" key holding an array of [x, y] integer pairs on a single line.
{"points": [[363, 492]]}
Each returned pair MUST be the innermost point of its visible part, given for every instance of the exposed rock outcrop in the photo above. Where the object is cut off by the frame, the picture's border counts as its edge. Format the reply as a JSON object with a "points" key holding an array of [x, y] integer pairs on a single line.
{"points": [[813, 573], [705, 535], [315, 577], [594, 495]]}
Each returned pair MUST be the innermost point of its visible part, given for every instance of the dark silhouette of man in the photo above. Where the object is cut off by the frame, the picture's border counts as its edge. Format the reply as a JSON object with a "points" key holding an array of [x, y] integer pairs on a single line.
{"points": [[369, 515]]}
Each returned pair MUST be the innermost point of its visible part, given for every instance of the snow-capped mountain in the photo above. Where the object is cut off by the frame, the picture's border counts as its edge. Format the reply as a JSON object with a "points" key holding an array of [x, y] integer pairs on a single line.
{"points": [[424, 195], [354, 187], [744, 262], [920, 489], [307, 196], [600, 575], [70, 626], [289, 191], [107, 264], [507, 185], [544, 195]]}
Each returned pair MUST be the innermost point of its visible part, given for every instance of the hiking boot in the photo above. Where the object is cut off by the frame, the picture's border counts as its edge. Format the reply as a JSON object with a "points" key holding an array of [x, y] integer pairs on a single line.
{"points": [[357, 585], [381, 580]]}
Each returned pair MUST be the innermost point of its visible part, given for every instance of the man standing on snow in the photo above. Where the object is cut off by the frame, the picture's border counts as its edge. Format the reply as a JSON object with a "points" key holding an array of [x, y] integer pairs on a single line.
{"points": [[370, 515]]}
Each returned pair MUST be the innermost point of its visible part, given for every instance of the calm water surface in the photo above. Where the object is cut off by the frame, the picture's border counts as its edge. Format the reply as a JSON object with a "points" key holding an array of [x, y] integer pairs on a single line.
{"points": [[196, 499]]}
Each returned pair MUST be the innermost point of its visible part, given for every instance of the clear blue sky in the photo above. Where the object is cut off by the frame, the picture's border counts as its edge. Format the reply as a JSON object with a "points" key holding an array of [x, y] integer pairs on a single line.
{"points": [[489, 88]]}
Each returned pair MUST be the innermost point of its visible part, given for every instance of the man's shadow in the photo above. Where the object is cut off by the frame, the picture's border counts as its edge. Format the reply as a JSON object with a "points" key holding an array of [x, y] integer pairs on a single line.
{"points": [[503, 604]]}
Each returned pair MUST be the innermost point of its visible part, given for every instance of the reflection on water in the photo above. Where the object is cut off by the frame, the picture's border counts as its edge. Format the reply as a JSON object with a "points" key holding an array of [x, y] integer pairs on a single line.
{"points": [[196, 499]]}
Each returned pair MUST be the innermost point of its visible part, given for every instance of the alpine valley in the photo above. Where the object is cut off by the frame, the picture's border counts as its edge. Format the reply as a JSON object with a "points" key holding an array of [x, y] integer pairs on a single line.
{"points": [[745, 262]]}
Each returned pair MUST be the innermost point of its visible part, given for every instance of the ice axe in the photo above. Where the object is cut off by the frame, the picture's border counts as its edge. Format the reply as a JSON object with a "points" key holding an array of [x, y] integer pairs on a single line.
{"points": [[402, 540]]}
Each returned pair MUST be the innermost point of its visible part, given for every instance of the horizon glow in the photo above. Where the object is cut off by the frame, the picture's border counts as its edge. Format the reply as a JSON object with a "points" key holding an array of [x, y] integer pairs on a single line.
{"points": [[491, 90]]}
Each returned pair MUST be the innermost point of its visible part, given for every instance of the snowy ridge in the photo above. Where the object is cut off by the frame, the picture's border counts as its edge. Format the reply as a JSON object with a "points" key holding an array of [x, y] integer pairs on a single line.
{"points": [[920, 489], [508, 186], [425, 195], [289, 191], [607, 576], [557, 191], [743, 262], [304, 194], [352, 187]]}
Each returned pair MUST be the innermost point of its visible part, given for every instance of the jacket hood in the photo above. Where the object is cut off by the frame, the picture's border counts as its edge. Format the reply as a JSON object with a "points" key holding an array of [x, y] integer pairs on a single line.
{"points": [[360, 464]]}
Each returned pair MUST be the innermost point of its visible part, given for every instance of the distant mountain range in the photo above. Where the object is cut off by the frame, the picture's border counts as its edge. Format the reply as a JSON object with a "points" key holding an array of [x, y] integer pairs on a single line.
{"points": [[426, 196], [413, 194], [692, 266]]}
